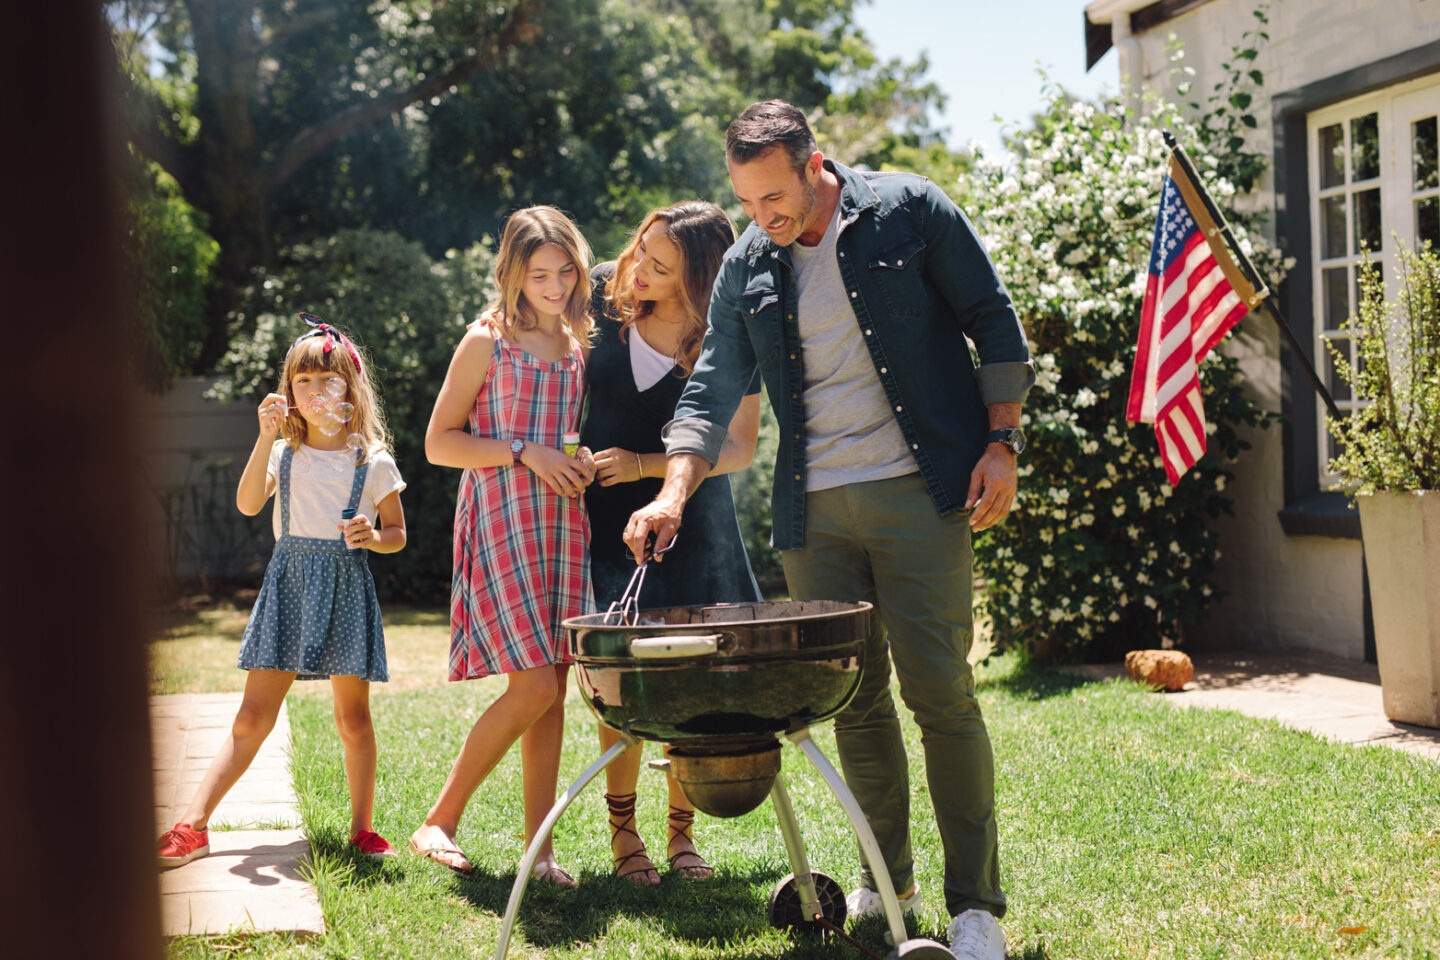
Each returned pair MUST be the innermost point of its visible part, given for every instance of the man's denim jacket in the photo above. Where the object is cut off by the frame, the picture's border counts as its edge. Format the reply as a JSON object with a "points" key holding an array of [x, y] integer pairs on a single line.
{"points": [[921, 283]]}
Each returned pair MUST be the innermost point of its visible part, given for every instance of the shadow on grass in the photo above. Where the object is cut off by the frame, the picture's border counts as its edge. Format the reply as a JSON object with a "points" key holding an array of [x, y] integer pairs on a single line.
{"points": [[1029, 680], [727, 909]]}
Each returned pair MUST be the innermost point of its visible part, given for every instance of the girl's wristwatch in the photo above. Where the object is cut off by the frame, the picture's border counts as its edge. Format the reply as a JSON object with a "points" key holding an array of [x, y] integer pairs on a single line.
{"points": [[517, 447], [1012, 437]]}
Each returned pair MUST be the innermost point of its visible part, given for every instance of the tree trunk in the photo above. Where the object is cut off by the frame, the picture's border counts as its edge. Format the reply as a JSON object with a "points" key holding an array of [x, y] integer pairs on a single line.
{"points": [[231, 185]]}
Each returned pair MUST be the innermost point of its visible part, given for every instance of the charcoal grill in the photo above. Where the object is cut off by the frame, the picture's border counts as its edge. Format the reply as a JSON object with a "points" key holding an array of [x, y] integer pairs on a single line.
{"points": [[724, 685]]}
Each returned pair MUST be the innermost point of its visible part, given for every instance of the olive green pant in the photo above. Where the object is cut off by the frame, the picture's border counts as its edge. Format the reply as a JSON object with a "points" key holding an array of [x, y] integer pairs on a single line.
{"points": [[884, 542]]}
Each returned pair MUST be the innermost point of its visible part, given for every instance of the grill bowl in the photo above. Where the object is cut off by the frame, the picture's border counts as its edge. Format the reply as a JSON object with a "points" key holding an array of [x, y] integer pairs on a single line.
{"points": [[722, 671]]}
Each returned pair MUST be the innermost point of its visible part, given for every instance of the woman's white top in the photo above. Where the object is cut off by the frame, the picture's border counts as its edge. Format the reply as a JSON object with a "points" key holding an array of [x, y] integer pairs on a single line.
{"points": [[648, 365], [320, 482]]}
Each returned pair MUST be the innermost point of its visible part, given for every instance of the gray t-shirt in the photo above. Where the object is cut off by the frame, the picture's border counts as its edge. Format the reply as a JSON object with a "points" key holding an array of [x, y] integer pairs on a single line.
{"points": [[850, 434]]}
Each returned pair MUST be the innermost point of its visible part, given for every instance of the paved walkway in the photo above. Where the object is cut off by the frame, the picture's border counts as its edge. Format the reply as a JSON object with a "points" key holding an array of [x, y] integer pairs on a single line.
{"points": [[250, 882], [1330, 697]]}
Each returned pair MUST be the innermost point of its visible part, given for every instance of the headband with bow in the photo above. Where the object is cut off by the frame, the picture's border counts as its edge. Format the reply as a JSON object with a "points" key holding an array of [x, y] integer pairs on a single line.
{"points": [[331, 335]]}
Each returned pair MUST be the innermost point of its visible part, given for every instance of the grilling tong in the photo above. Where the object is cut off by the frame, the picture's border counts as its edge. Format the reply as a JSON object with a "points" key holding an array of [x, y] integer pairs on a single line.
{"points": [[626, 610]]}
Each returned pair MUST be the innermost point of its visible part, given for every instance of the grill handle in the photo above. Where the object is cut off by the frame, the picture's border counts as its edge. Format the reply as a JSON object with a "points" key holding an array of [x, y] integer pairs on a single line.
{"points": [[671, 648]]}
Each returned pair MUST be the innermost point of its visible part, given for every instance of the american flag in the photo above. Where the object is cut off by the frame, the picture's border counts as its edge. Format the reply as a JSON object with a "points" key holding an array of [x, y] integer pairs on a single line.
{"points": [[1194, 295]]}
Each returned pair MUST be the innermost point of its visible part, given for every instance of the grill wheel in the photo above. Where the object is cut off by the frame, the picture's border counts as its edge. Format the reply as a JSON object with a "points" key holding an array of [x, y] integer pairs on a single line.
{"points": [[785, 904]]}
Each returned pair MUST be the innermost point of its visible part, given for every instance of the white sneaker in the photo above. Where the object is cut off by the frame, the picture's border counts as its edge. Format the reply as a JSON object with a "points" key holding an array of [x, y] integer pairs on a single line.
{"points": [[976, 935], [864, 902]]}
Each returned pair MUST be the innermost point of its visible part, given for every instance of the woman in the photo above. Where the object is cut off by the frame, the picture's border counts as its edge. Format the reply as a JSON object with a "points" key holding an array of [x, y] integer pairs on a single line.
{"points": [[649, 308]]}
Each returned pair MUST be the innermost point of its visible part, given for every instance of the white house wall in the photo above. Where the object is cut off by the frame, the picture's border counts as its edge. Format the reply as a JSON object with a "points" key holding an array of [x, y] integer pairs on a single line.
{"points": [[1284, 591]]}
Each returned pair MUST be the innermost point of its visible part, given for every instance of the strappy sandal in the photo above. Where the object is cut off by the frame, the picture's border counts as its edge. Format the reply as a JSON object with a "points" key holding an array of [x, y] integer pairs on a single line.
{"points": [[695, 867], [622, 808]]}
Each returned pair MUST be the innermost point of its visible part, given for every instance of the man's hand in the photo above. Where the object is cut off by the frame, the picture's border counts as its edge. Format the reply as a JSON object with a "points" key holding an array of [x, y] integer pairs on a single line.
{"points": [[992, 487], [661, 516]]}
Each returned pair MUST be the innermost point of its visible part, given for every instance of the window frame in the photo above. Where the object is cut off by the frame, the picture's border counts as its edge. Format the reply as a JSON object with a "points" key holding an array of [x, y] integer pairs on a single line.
{"points": [[1308, 509]]}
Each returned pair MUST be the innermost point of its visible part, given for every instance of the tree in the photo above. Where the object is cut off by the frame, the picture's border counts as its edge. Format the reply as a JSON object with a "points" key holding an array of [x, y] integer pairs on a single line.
{"points": [[253, 90]]}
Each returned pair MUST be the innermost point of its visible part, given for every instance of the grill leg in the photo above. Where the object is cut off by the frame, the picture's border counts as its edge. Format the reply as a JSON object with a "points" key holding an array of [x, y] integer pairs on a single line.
{"points": [[868, 844], [527, 862], [795, 847]]}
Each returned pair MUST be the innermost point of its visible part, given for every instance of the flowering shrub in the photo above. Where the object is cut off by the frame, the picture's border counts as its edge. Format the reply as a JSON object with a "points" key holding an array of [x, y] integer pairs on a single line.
{"points": [[1101, 554]]}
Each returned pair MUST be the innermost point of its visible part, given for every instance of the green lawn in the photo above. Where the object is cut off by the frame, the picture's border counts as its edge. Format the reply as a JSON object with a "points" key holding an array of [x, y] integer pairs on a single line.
{"points": [[1128, 829]]}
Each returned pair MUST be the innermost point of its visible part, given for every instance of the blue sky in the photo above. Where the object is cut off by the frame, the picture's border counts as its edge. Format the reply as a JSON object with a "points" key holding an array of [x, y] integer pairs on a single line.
{"points": [[983, 54]]}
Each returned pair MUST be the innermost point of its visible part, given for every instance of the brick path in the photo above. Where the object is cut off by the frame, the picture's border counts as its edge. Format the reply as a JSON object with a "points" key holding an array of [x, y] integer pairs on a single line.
{"points": [[1333, 698], [249, 882]]}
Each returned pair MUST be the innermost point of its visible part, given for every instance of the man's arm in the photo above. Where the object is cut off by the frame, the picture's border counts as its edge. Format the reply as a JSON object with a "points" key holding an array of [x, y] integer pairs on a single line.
{"points": [[963, 274], [695, 438], [994, 480]]}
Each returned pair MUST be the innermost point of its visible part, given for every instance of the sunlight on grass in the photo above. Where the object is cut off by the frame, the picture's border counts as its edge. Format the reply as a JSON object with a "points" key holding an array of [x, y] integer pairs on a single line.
{"points": [[1128, 829], [194, 651]]}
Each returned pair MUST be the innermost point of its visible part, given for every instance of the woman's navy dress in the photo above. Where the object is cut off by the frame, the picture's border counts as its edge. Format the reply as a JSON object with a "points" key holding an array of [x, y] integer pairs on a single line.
{"points": [[708, 563]]}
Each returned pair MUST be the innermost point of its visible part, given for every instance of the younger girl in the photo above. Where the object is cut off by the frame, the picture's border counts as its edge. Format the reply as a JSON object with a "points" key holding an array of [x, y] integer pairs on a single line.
{"points": [[316, 615], [521, 564]]}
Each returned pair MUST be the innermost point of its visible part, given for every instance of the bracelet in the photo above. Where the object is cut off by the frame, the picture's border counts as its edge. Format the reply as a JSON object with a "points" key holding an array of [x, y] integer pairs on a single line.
{"points": [[640, 466]]}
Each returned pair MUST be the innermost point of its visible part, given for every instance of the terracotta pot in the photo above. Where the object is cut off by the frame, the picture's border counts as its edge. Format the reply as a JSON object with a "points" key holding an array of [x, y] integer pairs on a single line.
{"points": [[1402, 551]]}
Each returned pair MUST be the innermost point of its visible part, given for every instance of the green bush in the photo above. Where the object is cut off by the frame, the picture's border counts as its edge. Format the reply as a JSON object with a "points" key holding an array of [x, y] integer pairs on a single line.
{"points": [[170, 257], [409, 312], [1393, 442], [1101, 554]]}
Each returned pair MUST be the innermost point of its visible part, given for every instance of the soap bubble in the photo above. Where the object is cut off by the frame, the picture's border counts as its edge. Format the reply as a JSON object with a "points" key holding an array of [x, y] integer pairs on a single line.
{"points": [[355, 443], [335, 386], [317, 404], [344, 411], [328, 424]]}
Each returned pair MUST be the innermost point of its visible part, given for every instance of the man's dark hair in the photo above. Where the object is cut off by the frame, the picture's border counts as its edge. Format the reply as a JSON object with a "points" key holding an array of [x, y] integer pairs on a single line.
{"points": [[770, 123]]}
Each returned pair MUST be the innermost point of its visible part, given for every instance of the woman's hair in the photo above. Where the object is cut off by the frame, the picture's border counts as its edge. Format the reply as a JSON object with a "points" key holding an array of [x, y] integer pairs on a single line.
{"points": [[702, 233], [308, 355], [526, 232]]}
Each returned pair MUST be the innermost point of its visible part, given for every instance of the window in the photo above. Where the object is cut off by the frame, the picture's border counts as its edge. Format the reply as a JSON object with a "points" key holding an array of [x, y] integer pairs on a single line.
{"points": [[1374, 179]]}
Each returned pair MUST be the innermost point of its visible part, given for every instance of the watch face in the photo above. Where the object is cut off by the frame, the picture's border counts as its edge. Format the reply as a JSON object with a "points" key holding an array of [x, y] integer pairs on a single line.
{"points": [[1017, 440], [517, 447]]}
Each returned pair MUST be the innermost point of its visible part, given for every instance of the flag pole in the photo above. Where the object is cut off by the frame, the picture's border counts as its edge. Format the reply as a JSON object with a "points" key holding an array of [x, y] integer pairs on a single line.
{"points": [[1252, 274]]}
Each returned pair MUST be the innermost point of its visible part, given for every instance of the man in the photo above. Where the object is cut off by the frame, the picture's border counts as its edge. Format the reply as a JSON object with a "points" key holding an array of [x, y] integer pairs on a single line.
{"points": [[854, 293]]}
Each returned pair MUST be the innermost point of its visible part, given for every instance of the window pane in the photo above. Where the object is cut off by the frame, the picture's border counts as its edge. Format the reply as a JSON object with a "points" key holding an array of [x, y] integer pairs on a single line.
{"points": [[1365, 147], [1339, 389], [1426, 170], [1367, 220], [1335, 289], [1333, 446], [1332, 227], [1332, 156], [1427, 222]]}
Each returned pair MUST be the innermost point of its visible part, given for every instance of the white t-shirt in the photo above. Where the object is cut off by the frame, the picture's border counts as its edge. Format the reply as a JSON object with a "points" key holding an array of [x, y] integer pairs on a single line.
{"points": [[648, 365], [320, 482]]}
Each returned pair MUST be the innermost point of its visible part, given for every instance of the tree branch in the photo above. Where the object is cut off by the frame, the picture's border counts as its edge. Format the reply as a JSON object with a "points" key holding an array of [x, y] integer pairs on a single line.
{"points": [[310, 141]]}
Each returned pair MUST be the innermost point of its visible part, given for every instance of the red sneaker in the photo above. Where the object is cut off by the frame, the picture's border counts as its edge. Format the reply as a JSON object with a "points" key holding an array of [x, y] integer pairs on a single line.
{"points": [[372, 845], [182, 844]]}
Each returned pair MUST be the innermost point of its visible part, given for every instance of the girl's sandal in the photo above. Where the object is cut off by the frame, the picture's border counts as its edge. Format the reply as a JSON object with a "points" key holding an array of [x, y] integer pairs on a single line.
{"points": [[642, 871], [552, 872], [687, 863], [447, 855]]}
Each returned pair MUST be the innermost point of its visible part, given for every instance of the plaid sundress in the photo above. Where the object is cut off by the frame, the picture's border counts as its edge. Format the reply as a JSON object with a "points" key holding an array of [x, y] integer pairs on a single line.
{"points": [[522, 559]]}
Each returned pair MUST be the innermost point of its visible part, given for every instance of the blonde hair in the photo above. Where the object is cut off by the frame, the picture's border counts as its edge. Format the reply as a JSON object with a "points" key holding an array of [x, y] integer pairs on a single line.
{"points": [[308, 355], [525, 233], [702, 232]]}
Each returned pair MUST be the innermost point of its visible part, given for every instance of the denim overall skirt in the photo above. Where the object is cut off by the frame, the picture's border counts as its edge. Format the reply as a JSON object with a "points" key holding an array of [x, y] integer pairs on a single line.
{"points": [[317, 613]]}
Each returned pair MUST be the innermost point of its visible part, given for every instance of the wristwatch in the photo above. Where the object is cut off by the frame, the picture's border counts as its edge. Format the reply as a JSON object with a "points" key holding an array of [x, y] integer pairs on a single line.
{"points": [[1012, 437], [517, 447]]}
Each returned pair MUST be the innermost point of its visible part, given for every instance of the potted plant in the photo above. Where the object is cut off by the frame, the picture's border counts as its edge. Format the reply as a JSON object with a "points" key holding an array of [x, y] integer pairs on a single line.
{"points": [[1389, 460]]}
